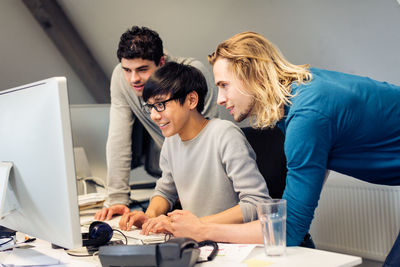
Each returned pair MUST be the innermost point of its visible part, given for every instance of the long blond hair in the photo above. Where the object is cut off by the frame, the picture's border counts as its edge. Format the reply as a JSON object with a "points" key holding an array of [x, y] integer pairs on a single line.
{"points": [[264, 72]]}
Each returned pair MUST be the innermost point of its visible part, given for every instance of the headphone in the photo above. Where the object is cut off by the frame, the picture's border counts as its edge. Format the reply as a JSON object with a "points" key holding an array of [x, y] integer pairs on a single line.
{"points": [[99, 234]]}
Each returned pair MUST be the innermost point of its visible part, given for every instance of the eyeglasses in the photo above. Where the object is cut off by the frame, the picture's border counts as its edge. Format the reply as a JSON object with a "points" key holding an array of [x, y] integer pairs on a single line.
{"points": [[158, 106]]}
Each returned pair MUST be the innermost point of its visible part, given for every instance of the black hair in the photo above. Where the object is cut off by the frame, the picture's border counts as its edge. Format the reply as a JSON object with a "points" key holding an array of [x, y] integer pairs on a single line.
{"points": [[140, 42], [178, 80]]}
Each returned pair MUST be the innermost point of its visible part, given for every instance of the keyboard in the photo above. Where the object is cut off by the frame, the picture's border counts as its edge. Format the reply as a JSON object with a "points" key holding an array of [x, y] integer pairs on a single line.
{"points": [[134, 233]]}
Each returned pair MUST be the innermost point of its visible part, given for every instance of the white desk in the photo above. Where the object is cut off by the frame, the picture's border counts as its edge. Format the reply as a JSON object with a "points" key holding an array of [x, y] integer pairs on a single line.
{"points": [[295, 256]]}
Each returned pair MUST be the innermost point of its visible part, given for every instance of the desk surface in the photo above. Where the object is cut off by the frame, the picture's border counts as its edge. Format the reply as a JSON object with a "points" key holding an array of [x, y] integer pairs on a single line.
{"points": [[294, 256]]}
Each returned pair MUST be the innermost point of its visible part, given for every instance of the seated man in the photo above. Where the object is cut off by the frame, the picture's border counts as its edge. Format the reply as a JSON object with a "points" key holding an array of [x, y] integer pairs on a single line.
{"points": [[140, 52], [207, 164]]}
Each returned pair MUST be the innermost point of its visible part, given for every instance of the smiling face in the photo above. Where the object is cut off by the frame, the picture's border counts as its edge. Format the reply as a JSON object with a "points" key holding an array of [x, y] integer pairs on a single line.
{"points": [[137, 71], [231, 91], [174, 119]]}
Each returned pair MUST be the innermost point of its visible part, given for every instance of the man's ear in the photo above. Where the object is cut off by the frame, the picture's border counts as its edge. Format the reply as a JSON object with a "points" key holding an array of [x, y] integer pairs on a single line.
{"points": [[162, 61], [193, 99]]}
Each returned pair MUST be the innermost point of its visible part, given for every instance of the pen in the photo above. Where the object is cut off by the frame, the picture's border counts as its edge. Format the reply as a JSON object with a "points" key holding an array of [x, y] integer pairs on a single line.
{"points": [[28, 240]]}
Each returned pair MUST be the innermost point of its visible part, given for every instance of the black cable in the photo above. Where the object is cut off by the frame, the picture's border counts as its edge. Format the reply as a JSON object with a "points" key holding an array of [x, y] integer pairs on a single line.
{"points": [[8, 241], [126, 239], [213, 253], [87, 255], [79, 255]]}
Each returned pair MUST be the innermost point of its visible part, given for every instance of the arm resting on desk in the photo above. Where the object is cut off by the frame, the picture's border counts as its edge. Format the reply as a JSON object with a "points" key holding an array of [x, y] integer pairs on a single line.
{"points": [[158, 206], [232, 215], [185, 224], [247, 233], [157, 222]]}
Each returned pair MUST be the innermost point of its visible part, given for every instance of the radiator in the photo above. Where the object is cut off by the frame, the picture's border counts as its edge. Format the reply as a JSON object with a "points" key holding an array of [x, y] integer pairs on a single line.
{"points": [[356, 217]]}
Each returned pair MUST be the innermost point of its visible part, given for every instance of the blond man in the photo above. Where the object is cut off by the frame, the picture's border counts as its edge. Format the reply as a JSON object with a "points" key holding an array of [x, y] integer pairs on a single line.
{"points": [[331, 121]]}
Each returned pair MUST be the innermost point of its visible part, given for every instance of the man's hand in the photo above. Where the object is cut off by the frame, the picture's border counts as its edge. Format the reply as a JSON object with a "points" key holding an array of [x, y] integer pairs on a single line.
{"points": [[107, 213], [156, 225], [186, 224], [137, 218]]}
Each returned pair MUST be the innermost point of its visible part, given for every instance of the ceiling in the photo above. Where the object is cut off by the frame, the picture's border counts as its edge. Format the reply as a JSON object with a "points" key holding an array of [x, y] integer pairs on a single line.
{"points": [[358, 36]]}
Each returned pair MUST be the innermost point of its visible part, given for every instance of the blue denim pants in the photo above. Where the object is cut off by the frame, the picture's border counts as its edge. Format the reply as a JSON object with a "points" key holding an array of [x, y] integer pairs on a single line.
{"points": [[393, 259], [307, 242]]}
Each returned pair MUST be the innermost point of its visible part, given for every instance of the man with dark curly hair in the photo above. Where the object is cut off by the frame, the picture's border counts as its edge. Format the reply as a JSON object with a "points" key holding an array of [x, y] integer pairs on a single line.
{"points": [[140, 52]]}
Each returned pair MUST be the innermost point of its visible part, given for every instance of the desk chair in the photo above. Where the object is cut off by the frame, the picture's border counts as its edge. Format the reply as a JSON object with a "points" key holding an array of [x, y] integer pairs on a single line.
{"points": [[268, 144], [144, 152], [271, 160]]}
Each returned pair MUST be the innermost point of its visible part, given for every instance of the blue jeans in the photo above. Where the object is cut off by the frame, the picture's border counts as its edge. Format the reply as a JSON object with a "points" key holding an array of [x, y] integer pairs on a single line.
{"points": [[307, 242], [393, 259]]}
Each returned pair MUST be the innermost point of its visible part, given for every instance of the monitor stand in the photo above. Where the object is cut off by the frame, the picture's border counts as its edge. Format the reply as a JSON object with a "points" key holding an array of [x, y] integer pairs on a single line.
{"points": [[8, 201]]}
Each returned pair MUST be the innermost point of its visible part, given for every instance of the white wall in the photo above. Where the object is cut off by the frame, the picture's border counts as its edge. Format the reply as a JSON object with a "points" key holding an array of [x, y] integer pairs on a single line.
{"points": [[28, 55], [89, 130], [355, 36]]}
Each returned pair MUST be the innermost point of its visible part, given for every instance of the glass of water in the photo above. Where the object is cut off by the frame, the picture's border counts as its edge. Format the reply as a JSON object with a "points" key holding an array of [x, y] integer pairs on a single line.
{"points": [[272, 216]]}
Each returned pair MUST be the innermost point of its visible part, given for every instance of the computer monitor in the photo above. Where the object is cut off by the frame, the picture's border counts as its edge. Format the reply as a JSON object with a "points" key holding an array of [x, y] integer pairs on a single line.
{"points": [[35, 136]]}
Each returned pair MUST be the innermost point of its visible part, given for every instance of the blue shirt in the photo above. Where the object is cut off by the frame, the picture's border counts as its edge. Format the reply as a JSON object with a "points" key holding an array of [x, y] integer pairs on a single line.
{"points": [[342, 122]]}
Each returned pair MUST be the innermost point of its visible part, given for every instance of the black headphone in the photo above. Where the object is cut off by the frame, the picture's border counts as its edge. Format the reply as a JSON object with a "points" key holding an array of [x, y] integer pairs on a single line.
{"points": [[99, 234]]}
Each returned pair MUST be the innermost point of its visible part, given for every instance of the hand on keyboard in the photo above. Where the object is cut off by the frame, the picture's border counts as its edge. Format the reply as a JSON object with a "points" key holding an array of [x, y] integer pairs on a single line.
{"points": [[134, 233], [156, 225], [134, 218]]}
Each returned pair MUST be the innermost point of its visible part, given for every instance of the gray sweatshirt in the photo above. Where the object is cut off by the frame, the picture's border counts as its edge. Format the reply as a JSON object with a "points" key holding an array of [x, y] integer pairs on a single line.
{"points": [[213, 172], [125, 108]]}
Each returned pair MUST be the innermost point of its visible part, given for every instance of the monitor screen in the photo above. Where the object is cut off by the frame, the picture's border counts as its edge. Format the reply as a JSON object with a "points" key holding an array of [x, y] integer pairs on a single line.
{"points": [[35, 137]]}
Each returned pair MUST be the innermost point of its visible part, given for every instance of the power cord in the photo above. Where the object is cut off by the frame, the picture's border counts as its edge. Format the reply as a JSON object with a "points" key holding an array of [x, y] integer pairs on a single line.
{"points": [[8, 241], [213, 253], [71, 253], [126, 239]]}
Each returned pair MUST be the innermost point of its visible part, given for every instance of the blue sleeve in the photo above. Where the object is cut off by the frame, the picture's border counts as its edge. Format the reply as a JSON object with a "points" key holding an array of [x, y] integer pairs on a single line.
{"points": [[308, 141]]}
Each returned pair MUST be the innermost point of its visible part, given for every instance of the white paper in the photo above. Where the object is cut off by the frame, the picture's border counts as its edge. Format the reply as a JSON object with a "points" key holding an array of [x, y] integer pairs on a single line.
{"points": [[92, 198], [228, 252]]}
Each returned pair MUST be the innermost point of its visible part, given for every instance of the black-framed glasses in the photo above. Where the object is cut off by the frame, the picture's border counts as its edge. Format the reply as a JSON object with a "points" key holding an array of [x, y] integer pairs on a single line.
{"points": [[158, 106]]}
